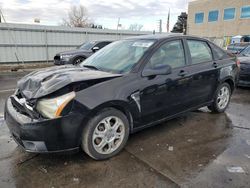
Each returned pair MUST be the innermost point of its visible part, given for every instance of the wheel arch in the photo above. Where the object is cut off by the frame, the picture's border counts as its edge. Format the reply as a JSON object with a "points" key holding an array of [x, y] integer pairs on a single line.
{"points": [[229, 81], [118, 105]]}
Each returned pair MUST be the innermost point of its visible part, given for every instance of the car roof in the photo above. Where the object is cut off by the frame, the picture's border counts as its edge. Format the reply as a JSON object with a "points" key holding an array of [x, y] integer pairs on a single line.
{"points": [[157, 36], [164, 36]]}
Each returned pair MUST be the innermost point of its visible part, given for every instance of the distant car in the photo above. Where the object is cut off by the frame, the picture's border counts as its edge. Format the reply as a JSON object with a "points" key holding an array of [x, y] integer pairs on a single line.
{"points": [[236, 48], [80, 54], [244, 76], [129, 85]]}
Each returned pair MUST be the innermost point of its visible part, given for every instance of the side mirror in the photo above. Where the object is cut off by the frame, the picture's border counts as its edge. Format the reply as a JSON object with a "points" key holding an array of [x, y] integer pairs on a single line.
{"points": [[157, 70], [96, 48]]}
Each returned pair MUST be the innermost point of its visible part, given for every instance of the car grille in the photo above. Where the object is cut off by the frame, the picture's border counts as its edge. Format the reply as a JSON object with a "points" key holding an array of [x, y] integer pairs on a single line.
{"points": [[22, 106]]}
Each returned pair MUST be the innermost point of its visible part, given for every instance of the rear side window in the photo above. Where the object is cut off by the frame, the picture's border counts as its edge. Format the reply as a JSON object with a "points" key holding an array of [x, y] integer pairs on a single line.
{"points": [[218, 52], [200, 51]]}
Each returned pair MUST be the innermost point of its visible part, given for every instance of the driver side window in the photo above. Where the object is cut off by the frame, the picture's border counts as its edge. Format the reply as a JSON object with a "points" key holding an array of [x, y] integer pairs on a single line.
{"points": [[170, 53]]}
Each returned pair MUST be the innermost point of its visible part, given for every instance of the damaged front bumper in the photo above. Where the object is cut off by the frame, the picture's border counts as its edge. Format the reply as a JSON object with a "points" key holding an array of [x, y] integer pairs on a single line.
{"points": [[44, 135]]}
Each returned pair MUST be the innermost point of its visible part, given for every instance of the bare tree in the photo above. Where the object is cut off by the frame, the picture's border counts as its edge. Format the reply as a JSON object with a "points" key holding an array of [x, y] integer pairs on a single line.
{"points": [[135, 27], [77, 17]]}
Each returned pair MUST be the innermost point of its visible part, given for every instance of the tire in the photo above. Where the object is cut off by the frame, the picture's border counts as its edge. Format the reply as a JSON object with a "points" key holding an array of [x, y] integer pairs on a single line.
{"points": [[78, 60], [221, 99], [106, 134]]}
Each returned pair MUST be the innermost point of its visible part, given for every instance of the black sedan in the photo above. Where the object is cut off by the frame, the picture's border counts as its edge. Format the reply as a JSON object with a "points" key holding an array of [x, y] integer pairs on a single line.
{"points": [[127, 86], [236, 48], [80, 54], [244, 58]]}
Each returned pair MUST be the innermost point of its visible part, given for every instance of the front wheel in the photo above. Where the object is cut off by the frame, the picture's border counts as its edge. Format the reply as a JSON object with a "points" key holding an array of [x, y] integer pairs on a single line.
{"points": [[78, 60], [221, 99], [105, 134]]}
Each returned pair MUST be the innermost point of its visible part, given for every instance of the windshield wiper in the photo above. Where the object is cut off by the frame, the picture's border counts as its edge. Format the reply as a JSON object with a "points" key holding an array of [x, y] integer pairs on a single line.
{"points": [[91, 67]]}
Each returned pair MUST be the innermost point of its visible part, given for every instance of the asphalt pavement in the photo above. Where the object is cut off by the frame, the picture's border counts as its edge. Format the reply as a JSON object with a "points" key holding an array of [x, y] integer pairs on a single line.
{"points": [[198, 149]]}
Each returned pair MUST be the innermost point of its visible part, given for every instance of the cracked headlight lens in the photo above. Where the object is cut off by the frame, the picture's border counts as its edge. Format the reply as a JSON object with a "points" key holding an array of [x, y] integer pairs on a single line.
{"points": [[52, 108]]}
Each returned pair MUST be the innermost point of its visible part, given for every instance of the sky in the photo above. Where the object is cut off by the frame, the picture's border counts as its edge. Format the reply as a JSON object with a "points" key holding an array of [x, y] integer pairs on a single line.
{"points": [[103, 12]]}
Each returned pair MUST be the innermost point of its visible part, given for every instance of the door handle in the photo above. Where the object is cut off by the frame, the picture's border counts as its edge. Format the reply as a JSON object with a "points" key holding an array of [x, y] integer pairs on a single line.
{"points": [[215, 65], [182, 73]]}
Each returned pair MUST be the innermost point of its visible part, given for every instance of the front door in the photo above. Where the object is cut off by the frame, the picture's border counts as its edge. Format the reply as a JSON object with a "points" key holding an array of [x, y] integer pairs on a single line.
{"points": [[162, 95]]}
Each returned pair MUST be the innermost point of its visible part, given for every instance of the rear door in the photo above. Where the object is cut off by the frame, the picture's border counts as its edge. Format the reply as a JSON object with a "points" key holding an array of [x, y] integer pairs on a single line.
{"points": [[203, 72]]}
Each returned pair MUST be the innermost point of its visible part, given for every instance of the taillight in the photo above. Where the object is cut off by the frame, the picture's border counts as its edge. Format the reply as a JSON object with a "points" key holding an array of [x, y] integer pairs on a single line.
{"points": [[238, 63]]}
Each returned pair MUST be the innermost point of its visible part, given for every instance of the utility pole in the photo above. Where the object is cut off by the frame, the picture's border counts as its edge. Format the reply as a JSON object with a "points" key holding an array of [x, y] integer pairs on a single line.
{"points": [[118, 25], [183, 29], [160, 26], [168, 20]]}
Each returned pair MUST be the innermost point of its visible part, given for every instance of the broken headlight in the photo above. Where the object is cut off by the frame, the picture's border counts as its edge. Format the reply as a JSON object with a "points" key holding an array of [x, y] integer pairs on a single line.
{"points": [[52, 108]]}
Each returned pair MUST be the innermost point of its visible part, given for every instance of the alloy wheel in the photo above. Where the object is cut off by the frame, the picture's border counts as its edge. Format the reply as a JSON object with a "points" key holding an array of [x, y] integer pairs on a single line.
{"points": [[223, 97], [78, 61], [108, 135]]}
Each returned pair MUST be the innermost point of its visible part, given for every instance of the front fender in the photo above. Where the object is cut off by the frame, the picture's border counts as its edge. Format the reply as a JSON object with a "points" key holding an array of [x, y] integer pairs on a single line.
{"points": [[123, 106]]}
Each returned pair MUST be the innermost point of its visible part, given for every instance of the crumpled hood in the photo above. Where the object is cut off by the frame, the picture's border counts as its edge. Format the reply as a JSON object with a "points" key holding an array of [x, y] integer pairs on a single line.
{"points": [[46, 81]]}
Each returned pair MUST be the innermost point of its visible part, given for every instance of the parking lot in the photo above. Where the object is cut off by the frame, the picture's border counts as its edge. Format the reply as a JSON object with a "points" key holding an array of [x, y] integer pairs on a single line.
{"points": [[199, 149]]}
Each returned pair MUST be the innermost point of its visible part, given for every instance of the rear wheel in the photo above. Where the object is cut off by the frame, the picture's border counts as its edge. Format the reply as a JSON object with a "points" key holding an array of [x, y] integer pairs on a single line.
{"points": [[105, 134], [221, 99]]}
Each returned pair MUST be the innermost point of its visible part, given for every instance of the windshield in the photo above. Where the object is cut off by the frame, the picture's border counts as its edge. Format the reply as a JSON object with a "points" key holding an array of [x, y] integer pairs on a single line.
{"points": [[86, 45], [246, 51], [120, 56]]}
